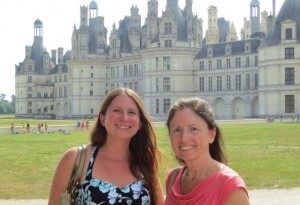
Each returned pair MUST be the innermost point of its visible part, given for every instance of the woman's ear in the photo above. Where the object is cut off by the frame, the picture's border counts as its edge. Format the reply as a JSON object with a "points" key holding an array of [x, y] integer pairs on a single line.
{"points": [[102, 119], [212, 136]]}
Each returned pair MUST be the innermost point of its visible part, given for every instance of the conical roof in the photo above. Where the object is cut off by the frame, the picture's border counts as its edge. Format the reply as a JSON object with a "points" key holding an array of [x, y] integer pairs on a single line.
{"points": [[289, 10]]}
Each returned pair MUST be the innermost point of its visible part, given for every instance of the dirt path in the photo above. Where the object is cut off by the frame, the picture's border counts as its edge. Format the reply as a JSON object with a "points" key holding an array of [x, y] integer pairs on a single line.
{"points": [[257, 197]]}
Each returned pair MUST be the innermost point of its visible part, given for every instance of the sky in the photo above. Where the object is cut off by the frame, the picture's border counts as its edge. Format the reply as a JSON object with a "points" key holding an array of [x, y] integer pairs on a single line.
{"points": [[59, 17]]}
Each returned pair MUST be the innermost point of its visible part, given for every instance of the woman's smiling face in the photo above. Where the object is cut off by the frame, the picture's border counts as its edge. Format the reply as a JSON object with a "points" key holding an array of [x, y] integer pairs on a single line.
{"points": [[190, 136], [122, 118]]}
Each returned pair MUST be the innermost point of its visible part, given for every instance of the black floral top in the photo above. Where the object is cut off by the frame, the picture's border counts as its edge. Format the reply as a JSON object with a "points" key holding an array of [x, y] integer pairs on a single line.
{"points": [[96, 191]]}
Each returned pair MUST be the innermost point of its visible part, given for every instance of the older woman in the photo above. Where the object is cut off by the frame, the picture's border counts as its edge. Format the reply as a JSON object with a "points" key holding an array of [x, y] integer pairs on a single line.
{"points": [[197, 143]]}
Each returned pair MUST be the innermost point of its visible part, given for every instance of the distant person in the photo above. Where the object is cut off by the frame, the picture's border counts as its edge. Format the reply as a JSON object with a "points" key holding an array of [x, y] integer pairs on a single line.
{"points": [[122, 162], [12, 128], [46, 127], [28, 126], [204, 178], [87, 124]]}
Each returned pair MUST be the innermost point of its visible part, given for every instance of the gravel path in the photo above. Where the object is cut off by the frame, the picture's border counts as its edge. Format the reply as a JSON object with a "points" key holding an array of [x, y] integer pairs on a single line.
{"points": [[257, 197]]}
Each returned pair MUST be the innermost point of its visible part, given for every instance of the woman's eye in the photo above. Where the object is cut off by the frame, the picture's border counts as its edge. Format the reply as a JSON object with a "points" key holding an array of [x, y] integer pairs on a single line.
{"points": [[132, 113], [193, 129], [176, 131]]}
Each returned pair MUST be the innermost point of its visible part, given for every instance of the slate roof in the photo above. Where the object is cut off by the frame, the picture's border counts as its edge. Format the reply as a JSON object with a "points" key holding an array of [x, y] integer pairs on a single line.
{"points": [[237, 48], [289, 10]]}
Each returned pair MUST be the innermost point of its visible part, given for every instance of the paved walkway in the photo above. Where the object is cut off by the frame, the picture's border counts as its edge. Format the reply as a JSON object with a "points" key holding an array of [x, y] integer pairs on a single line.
{"points": [[257, 197]]}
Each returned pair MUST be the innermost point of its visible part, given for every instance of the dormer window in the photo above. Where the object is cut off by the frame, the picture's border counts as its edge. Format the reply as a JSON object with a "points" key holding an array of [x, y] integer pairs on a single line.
{"points": [[247, 47], [288, 34], [288, 30], [228, 50], [168, 28], [210, 52]]}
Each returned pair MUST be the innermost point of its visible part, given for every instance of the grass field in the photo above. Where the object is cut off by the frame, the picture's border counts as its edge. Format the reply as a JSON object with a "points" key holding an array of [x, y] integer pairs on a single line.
{"points": [[266, 155]]}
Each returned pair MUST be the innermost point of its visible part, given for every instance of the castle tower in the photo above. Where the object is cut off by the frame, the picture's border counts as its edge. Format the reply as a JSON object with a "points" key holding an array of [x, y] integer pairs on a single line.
{"points": [[152, 20], [189, 17], [231, 35], [134, 28], [37, 47], [212, 34], [83, 16], [97, 30], [60, 55], [93, 9], [255, 16], [83, 35]]}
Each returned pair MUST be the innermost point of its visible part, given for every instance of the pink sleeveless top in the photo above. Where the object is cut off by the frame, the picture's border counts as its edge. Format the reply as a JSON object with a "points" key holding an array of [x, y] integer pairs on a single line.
{"points": [[215, 190]]}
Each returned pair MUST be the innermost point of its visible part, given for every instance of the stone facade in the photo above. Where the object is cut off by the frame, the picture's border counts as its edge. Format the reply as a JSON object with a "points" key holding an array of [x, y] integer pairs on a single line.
{"points": [[163, 60]]}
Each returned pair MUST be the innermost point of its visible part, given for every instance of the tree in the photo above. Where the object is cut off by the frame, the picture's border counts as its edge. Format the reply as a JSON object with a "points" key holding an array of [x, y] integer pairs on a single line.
{"points": [[7, 107]]}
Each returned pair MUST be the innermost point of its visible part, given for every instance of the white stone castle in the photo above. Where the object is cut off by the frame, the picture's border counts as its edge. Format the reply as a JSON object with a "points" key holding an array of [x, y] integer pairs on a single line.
{"points": [[165, 59]]}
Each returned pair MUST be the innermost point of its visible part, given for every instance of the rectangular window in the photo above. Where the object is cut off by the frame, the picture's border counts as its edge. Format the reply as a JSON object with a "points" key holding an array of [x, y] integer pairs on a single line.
{"points": [[201, 84], [168, 43], [256, 81], [256, 61], [136, 70], [238, 83], [167, 64], [168, 28], [228, 63], [130, 71], [125, 71], [289, 53], [288, 34], [247, 81], [219, 83], [167, 104], [60, 92], [219, 64], [29, 68], [29, 79], [209, 64], [157, 106], [166, 84], [157, 84], [289, 104], [210, 85], [65, 92], [156, 63], [247, 61], [237, 62], [65, 78], [228, 82], [289, 76], [201, 65]]}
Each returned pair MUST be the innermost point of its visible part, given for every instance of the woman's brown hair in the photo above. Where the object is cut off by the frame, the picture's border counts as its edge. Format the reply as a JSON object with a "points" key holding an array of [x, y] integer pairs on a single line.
{"points": [[201, 108], [143, 146]]}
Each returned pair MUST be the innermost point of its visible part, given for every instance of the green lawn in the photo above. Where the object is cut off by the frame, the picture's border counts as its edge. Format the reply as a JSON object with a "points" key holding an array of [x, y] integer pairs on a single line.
{"points": [[267, 155]]}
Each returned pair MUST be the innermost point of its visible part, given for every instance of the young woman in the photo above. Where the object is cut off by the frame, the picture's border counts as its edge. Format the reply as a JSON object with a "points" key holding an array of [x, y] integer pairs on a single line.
{"points": [[123, 157], [197, 143]]}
